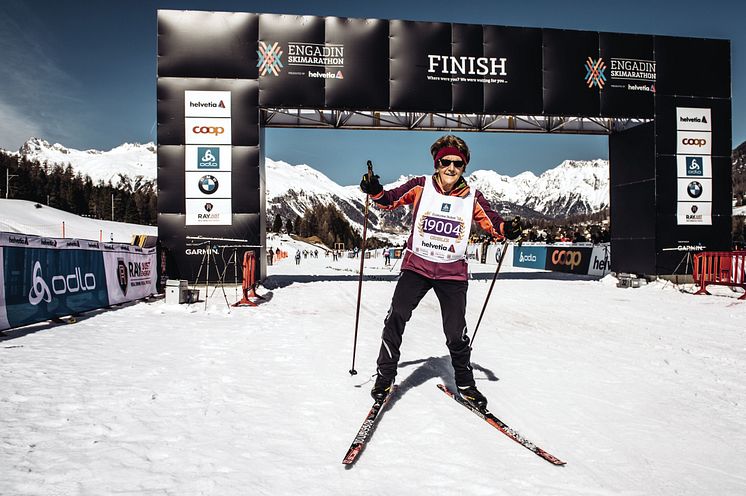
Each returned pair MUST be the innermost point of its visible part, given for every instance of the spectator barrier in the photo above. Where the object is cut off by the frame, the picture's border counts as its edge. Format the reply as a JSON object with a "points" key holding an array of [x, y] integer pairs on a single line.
{"points": [[45, 278], [722, 268]]}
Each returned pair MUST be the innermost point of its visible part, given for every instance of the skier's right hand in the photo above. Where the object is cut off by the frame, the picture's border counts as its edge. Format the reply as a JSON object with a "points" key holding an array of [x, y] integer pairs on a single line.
{"points": [[370, 185]]}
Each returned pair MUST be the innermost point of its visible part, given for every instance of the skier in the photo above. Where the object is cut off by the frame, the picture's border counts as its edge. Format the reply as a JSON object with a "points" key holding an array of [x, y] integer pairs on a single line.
{"points": [[444, 207]]}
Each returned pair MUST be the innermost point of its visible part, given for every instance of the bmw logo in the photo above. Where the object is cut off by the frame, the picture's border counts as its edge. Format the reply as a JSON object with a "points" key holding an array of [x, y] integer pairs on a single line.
{"points": [[694, 189], [208, 184]]}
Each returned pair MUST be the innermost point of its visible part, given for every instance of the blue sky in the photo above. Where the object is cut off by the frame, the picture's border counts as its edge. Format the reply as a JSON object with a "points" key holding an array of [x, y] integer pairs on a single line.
{"points": [[83, 73]]}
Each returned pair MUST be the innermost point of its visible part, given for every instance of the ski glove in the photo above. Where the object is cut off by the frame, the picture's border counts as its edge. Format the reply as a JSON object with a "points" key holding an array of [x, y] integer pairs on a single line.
{"points": [[370, 186], [513, 229]]}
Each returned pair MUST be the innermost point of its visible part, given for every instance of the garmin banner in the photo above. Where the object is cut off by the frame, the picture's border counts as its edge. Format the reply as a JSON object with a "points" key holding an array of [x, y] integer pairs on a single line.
{"points": [[225, 76], [44, 278]]}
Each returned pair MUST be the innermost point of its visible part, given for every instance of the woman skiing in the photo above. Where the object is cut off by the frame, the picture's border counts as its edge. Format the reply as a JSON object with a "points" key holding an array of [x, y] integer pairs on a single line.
{"points": [[444, 207]]}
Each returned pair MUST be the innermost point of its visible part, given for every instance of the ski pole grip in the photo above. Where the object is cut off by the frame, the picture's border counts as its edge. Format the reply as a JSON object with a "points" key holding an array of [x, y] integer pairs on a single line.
{"points": [[370, 169]]}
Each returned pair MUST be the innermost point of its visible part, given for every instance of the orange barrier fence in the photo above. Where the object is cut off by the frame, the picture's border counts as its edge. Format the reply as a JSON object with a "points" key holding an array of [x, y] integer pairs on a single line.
{"points": [[723, 268], [249, 280]]}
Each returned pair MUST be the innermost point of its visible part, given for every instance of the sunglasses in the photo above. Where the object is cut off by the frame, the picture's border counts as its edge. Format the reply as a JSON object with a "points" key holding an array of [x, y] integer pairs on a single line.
{"points": [[444, 163]]}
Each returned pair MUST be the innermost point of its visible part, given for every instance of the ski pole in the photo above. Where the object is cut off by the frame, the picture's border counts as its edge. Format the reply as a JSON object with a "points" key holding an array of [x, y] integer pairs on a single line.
{"points": [[503, 250], [362, 264]]}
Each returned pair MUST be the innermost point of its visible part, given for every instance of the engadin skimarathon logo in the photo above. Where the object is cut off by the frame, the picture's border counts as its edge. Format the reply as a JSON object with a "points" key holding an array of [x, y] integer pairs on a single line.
{"points": [[208, 157], [595, 73], [60, 284], [467, 69], [329, 56], [270, 58]]}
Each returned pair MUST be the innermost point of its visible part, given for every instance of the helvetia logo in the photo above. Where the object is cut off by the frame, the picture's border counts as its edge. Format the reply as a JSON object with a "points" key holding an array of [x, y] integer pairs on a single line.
{"points": [[595, 73], [270, 59], [208, 184]]}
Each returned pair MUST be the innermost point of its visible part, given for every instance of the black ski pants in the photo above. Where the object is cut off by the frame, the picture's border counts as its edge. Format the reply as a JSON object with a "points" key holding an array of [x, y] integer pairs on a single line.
{"points": [[410, 290]]}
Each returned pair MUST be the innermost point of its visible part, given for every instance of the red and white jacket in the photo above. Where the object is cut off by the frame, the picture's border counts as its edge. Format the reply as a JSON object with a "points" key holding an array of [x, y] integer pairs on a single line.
{"points": [[410, 193]]}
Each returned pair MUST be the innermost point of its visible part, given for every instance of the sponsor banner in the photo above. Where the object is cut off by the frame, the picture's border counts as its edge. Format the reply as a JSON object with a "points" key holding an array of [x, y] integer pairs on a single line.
{"points": [[207, 103], [532, 257], [207, 131], [208, 184], [693, 119], [568, 259], [694, 189], [600, 263], [43, 283], [3, 313], [130, 276], [694, 166], [207, 158], [693, 143], [694, 213], [214, 212], [311, 60]]}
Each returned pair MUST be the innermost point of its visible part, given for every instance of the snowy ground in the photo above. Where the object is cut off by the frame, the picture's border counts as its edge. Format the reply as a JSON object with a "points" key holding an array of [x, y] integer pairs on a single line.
{"points": [[640, 391]]}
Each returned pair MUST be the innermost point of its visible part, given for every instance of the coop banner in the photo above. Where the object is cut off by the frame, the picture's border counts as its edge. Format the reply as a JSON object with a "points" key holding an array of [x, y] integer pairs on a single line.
{"points": [[44, 278]]}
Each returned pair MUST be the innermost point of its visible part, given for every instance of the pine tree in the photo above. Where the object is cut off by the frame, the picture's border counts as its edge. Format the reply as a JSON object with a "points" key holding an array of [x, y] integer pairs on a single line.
{"points": [[277, 224]]}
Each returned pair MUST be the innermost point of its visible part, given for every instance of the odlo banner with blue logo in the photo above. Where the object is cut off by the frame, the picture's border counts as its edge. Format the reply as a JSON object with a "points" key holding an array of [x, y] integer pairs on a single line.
{"points": [[45, 278]]}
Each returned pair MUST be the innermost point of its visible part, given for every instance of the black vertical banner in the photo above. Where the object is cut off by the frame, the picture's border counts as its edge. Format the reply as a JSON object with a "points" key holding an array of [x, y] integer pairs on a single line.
{"points": [[631, 75], [361, 79], [421, 75], [574, 73], [519, 90], [292, 60]]}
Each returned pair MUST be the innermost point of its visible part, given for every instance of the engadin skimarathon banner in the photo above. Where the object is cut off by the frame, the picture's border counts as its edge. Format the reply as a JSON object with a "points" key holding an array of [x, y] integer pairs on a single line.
{"points": [[594, 260], [43, 278]]}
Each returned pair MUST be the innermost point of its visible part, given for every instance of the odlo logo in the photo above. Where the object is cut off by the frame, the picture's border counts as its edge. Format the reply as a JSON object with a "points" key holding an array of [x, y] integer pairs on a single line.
{"points": [[61, 284], [527, 257]]}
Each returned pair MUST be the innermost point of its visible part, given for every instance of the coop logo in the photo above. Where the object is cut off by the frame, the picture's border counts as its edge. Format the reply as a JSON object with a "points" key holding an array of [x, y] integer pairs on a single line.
{"points": [[216, 130], [60, 284], [122, 276], [208, 157], [566, 257], [208, 184], [270, 59], [694, 189], [694, 141], [694, 166], [595, 73], [528, 257]]}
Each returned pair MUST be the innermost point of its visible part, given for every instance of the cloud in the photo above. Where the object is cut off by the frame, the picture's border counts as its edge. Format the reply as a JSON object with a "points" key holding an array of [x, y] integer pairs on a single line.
{"points": [[37, 92]]}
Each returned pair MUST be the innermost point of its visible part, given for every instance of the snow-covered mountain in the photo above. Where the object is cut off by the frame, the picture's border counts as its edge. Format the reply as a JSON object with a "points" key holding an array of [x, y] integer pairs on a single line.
{"points": [[572, 187], [136, 161]]}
